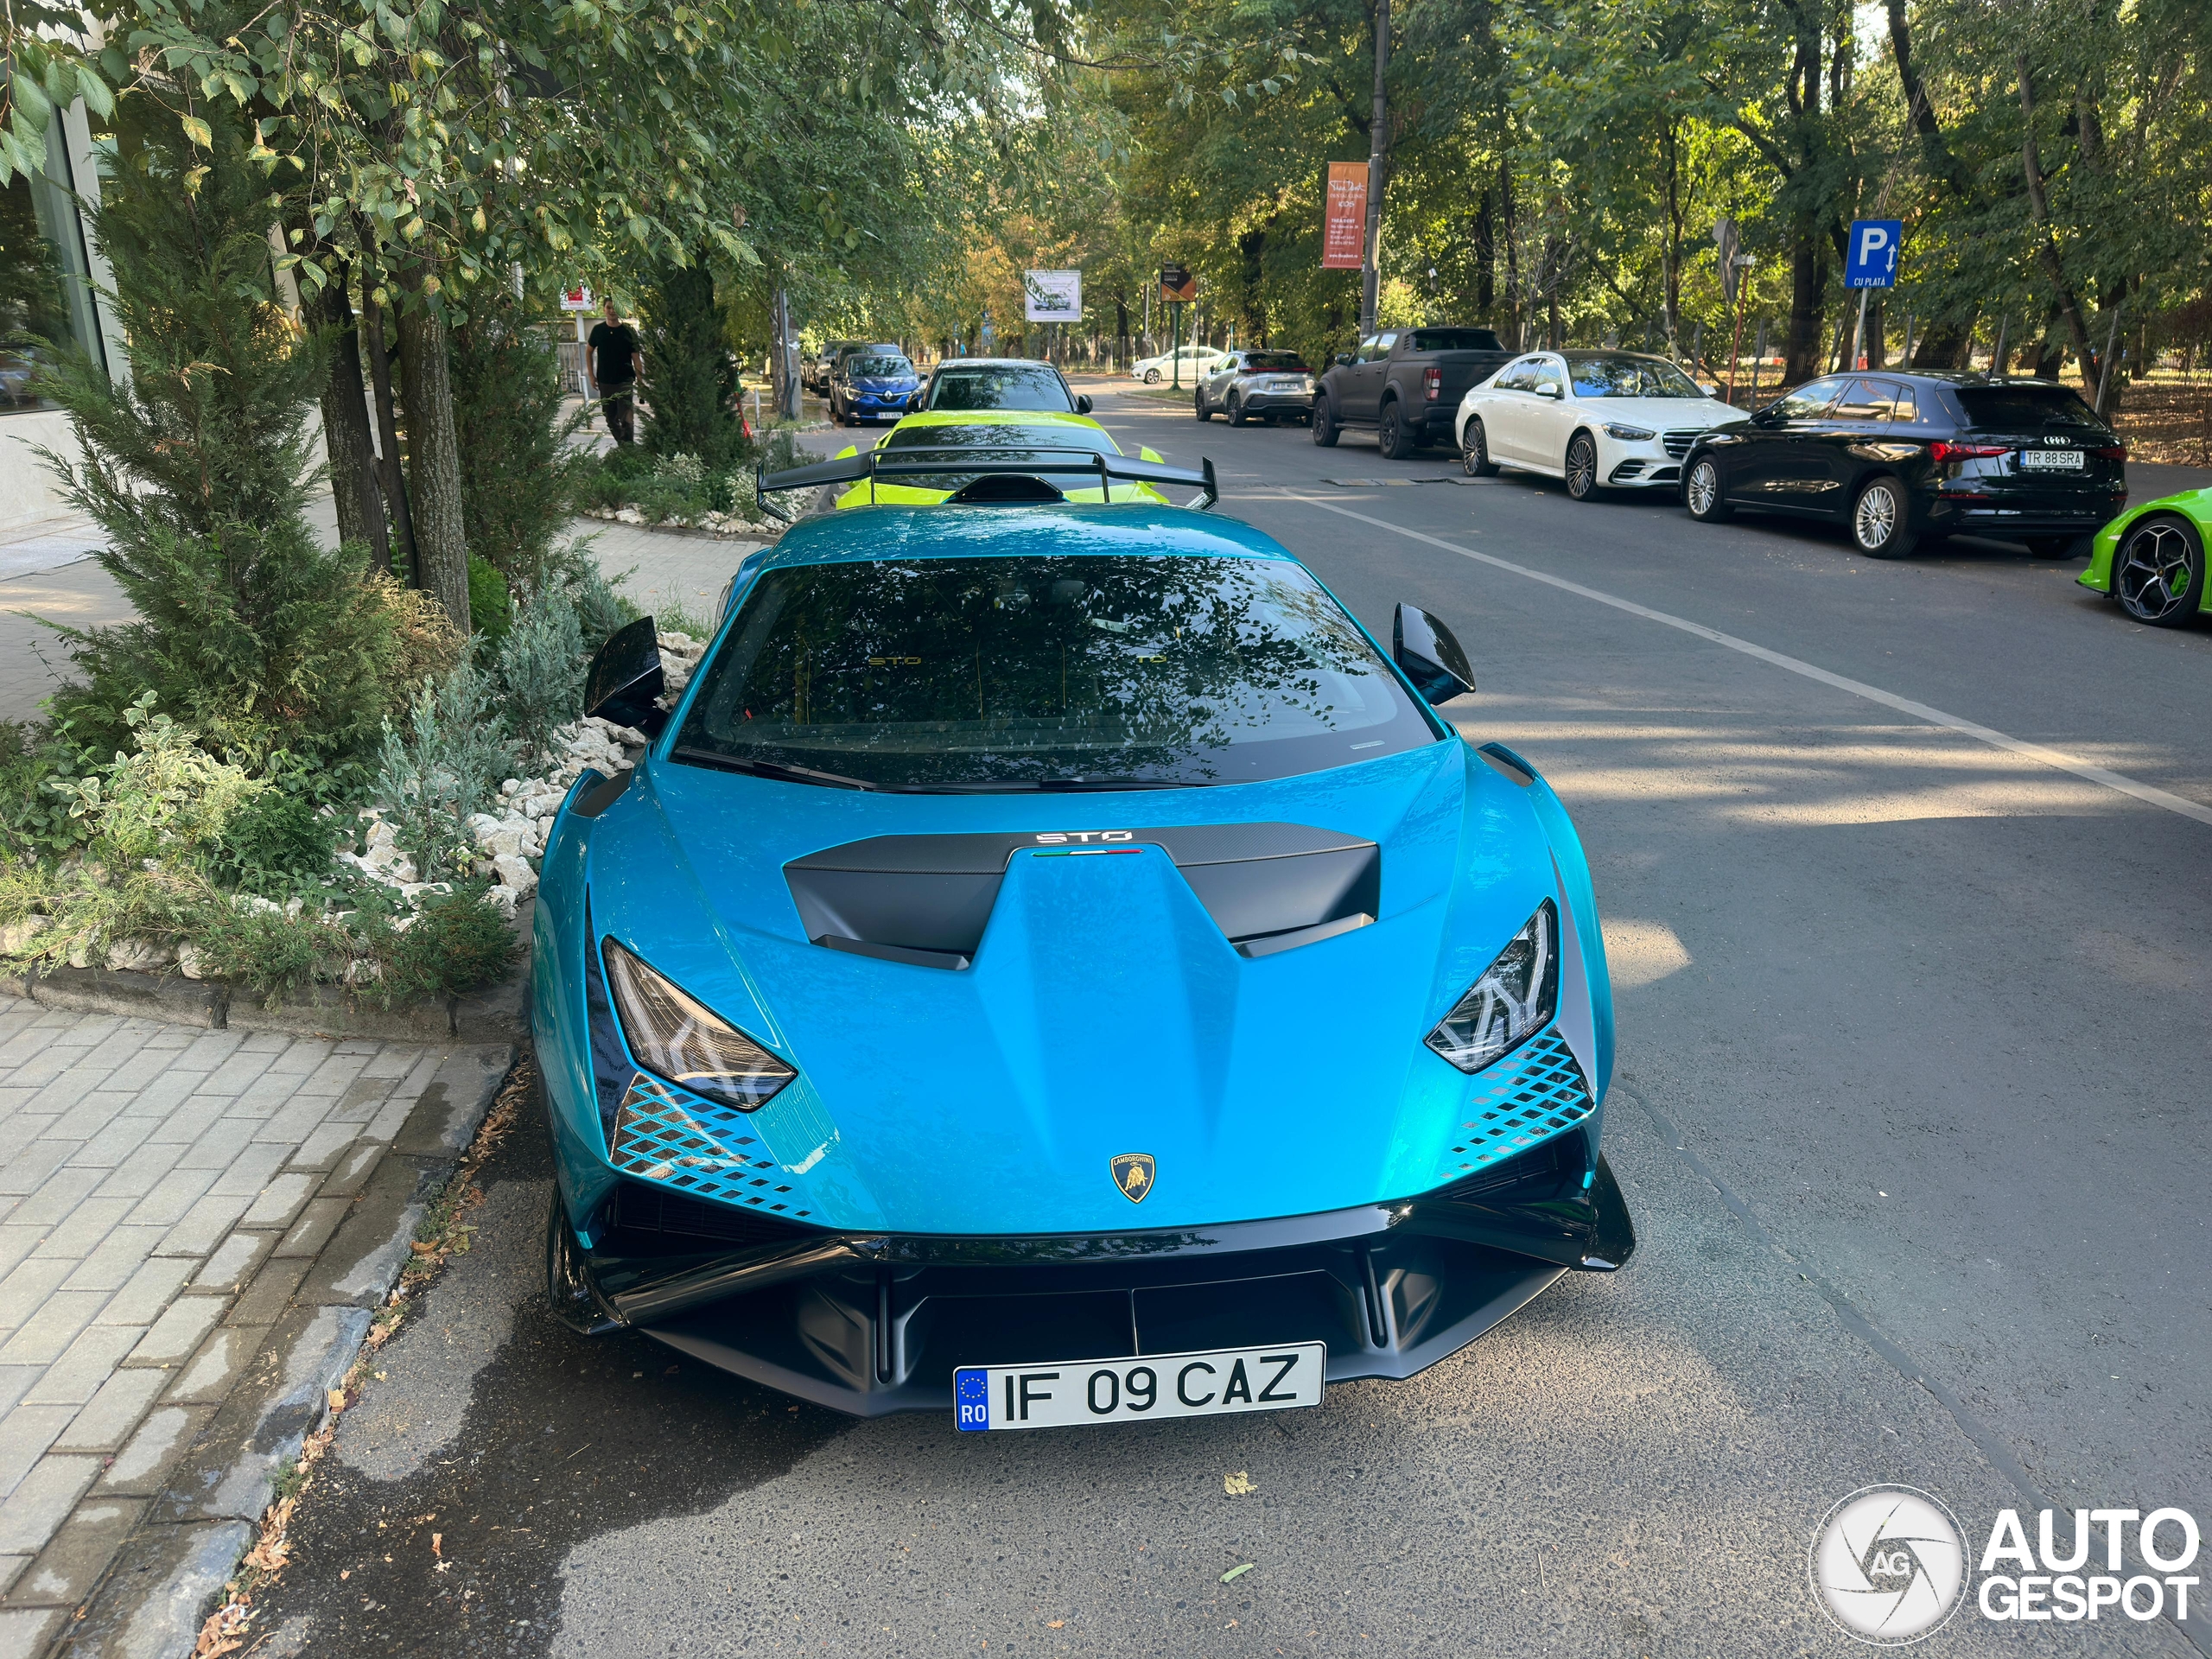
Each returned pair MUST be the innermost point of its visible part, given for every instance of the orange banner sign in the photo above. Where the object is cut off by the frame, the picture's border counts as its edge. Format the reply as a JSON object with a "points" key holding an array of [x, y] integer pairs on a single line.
{"points": [[1344, 217]]}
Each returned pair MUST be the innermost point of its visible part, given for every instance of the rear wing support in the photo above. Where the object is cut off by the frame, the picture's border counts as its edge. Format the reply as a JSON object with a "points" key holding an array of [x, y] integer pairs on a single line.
{"points": [[1042, 464]]}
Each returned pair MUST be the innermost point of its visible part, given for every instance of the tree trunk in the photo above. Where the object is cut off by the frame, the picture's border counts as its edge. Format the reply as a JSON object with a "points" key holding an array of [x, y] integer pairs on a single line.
{"points": [[404, 557], [346, 430], [1670, 252], [433, 451], [1485, 259], [1808, 280], [1512, 256], [2069, 306]]}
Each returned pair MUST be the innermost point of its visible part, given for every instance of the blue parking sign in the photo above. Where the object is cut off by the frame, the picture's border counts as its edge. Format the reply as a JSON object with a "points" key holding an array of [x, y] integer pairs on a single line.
{"points": [[1871, 258]]}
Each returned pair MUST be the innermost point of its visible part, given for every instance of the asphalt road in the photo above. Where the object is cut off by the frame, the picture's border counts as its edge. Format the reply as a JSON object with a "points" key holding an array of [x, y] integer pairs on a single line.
{"points": [[1901, 866]]}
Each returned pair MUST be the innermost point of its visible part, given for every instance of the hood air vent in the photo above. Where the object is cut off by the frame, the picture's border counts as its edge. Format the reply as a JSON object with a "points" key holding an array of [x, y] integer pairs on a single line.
{"points": [[925, 899]]}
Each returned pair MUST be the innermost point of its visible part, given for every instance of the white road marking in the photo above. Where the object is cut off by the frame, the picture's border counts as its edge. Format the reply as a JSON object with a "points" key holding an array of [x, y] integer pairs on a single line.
{"points": [[1989, 734]]}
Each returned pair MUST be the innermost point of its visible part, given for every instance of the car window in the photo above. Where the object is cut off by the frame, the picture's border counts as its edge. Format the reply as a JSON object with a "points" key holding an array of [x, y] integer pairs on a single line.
{"points": [[1455, 340], [879, 368], [1001, 386], [1809, 400], [1516, 377], [1001, 672], [2024, 409], [1274, 362], [1630, 377], [1907, 406], [1865, 400]]}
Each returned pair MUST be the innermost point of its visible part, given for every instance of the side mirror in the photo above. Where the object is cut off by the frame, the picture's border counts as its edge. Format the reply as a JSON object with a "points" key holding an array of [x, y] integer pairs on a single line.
{"points": [[625, 678], [1431, 658], [1083, 403], [1549, 389], [1344, 360]]}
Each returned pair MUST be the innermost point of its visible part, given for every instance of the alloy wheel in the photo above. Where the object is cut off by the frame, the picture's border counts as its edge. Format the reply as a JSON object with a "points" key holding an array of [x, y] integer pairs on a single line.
{"points": [[1704, 488], [2154, 576], [1581, 468], [1874, 522]]}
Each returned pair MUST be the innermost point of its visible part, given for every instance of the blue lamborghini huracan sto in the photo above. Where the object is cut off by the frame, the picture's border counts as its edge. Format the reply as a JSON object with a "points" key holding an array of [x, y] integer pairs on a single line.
{"points": [[1055, 942]]}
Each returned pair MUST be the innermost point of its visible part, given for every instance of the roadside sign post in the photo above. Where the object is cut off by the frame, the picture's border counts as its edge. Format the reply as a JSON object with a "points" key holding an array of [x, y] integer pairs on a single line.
{"points": [[1871, 262], [1178, 287]]}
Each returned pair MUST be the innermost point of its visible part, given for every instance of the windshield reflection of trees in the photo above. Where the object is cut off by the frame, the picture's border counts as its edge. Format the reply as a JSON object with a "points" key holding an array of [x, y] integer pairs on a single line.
{"points": [[1006, 669]]}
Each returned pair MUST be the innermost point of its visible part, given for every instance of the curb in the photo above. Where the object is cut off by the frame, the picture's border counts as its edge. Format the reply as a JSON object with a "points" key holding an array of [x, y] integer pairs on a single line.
{"points": [[493, 1013], [298, 1326]]}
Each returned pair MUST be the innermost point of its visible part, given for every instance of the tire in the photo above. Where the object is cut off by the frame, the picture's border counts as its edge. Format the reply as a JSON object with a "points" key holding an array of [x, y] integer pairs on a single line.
{"points": [[1324, 425], [2157, 570], [1701, 496], [1235, 412], [1881, 520], [1198, 405], [1396, 444], [2065, 548], [1151, 377], [1474, 450], [1582, 467]]}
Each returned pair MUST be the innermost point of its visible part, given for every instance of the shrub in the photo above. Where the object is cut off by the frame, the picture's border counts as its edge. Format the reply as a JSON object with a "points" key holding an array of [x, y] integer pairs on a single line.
{"points": [[169, 798], [491, 606], [274, 845], [442, 768], [518, 478], [457, 941], [691, 376], [541, 670]]}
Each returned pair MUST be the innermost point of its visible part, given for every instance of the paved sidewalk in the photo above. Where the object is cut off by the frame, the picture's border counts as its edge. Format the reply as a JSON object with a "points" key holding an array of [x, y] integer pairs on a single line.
{"points": [[193, 1227]]}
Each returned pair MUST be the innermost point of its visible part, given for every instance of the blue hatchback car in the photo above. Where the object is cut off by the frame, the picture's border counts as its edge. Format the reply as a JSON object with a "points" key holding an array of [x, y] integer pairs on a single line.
{"points": [[1051, 966]]}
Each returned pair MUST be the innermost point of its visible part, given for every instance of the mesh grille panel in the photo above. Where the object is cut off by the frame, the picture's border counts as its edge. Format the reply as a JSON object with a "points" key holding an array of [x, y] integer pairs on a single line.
{"points": [[670, 1135], [1529, 1096]]}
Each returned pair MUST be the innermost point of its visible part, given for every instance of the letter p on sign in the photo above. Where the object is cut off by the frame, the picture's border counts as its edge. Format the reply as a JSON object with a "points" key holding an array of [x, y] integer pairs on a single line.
{"points": [[1873, 248]]}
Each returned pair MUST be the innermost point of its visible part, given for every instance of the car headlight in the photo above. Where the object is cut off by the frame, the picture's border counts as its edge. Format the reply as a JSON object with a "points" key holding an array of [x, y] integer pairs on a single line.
{"points": [[1629, 433], [1513, 1001], [689, 1045]]}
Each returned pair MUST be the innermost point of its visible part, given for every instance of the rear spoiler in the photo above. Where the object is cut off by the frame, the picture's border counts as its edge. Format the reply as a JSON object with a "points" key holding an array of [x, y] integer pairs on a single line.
{"points": [[924, 463]]}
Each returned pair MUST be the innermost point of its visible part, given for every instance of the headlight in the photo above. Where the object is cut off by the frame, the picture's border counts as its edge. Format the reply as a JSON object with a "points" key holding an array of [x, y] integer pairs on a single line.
{"points": [[1629, 433], [689, 1045], [1513, 1001]]}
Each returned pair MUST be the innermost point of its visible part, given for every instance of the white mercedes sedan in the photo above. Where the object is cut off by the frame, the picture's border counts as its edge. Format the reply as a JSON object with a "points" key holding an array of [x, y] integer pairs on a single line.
{"points": [[1596, 419]]}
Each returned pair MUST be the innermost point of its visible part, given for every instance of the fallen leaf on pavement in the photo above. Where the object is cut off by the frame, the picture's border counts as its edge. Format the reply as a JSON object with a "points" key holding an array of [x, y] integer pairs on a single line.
{"points": [[1236, 1572], [1238, 1484]]}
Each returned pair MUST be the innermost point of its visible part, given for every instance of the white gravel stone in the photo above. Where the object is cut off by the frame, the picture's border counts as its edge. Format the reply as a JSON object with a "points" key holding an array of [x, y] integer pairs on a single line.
{"points": [[516, 874]]}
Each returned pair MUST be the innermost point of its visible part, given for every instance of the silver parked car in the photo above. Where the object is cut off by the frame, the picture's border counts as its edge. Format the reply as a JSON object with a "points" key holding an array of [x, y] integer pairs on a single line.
{"points": [[1270, 386]]}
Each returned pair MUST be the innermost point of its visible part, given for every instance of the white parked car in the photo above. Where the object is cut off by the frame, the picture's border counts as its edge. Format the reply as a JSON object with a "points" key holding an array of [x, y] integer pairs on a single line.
{"points": [[1196, 359], [1596, 419]]}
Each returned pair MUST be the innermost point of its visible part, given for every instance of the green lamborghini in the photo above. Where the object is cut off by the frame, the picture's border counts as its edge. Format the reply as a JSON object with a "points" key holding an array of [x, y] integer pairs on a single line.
{"points": [[2151, 559]]}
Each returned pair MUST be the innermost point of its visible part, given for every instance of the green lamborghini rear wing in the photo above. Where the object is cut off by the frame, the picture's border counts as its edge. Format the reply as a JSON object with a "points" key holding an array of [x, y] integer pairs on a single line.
{"points": [[1038, 467]]}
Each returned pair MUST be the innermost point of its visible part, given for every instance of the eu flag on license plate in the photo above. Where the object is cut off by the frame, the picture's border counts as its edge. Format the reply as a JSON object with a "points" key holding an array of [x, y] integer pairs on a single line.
{"points": [[971, 1395]]}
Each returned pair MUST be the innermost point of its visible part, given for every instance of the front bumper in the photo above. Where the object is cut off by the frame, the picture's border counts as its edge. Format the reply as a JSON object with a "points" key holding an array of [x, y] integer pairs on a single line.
{"points": [[871, 1324]]}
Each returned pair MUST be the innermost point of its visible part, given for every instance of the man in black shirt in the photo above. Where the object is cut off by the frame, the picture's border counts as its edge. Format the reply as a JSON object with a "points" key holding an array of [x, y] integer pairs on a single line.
{"points": [[613, 360]]}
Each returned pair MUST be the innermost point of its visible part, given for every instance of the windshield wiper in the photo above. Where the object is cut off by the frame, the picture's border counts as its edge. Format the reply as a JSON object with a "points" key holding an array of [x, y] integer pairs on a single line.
{"points": [[1044, 785], [770, 769]]}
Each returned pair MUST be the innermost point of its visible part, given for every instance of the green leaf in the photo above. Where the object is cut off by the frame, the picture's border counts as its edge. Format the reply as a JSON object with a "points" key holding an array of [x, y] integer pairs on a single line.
{"points": [[33, 112], [197, 130]]}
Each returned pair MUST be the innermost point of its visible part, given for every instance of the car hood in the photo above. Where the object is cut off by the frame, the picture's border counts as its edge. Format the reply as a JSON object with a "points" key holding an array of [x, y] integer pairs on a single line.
{"points": [[1105, 1011], [1663, 414]]}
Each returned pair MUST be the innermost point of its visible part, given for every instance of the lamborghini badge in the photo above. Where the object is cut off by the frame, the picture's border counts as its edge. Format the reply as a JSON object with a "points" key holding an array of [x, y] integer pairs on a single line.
{"points": [[1133, 1174]]}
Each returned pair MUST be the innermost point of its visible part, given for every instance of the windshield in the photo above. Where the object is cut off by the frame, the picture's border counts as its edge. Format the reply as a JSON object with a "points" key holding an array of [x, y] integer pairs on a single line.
{"points": [[2024, 409], [880, 368], [1094, 670], [1007, 439], [1630, 377], [1001, 386], [1263, 362]]}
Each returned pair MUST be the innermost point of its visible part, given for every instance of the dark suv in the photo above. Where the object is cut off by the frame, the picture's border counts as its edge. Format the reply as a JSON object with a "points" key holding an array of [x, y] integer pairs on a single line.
{"points": [[1900, 458]]}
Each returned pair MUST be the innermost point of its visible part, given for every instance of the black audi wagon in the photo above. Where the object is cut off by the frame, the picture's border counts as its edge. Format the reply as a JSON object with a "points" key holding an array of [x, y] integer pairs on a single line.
{"points": [[1902, 459]]}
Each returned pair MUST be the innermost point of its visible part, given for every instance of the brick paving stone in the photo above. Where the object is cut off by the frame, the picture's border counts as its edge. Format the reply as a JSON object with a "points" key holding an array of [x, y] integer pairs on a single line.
{"points": [[85, 1031], [71, 1085], [15, 1381], [57, 1195], [227, 1270], [25, 1433], [46, 1336], [225, 1139], [313, 1228], [204, 1224], [25, 1631], [264, 1098], [143, 1467], [76, 1376], [303, 1056], [331, 1077], [184, 1324], [38, 1506], [170, 1090], [141, 1070], [209, 1049], [90, 1117], [29, 1166], [172, 1197], [137, 1174], [321, 1150], [362, 1098], [112, 1414], [391, 1060], [29, 1284], [107, 1146], [388, 1122], [222, 1359], [351, 1173], [12, 1567], [17, 1242], [280, 1201], [117, 1256], [243, 1065], [193, 1119], [78, 1233], [297, 1119], [67, 1569], [252, 1169], [172, 1037], [141, 1301], [269, 1296], [265, 1042]]}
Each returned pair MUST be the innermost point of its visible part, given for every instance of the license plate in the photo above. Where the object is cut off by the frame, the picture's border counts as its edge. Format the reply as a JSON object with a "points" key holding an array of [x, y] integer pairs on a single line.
{"points": [[2051, 461], [1075, 1392]]}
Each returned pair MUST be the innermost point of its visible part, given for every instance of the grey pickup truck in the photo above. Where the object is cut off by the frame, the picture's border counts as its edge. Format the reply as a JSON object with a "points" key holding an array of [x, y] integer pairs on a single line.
{"points": [[1406, 383]]}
